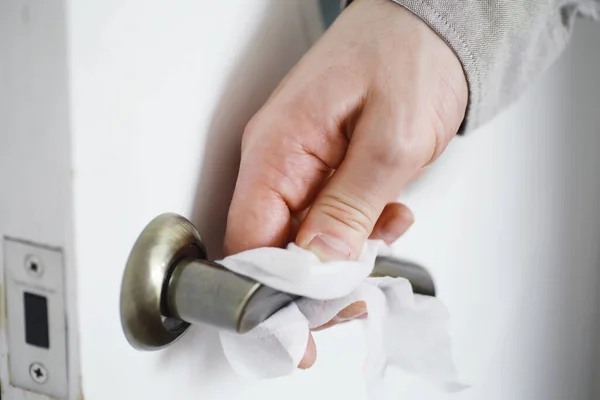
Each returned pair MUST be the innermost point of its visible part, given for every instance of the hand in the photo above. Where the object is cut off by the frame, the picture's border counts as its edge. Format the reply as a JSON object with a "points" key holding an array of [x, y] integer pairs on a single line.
{"points": [[378, 98]]}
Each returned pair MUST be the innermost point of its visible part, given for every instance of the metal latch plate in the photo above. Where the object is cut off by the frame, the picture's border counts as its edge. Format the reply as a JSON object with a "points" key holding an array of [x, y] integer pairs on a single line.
{"points": [[36, 317]]}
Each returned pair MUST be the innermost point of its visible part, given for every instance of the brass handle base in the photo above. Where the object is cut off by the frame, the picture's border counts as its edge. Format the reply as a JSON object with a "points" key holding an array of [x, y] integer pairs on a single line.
{"points": [[167, 239]]}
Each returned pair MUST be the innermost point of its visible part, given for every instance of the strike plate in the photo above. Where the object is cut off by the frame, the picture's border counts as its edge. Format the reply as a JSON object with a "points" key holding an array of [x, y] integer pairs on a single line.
{"points": [[36, 318]]}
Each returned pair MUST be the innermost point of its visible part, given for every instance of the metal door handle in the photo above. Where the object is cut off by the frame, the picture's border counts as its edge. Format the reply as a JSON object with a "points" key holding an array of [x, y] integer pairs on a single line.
{"points": [[169, 283]]}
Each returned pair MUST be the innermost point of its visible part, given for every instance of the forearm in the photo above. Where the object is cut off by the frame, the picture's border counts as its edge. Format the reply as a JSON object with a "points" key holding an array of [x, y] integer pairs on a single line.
{"points": [[502, 45]]}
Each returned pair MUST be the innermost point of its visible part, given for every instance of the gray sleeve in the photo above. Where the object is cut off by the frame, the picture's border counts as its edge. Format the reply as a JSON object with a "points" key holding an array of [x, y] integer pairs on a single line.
{"points": [[502, 44]]}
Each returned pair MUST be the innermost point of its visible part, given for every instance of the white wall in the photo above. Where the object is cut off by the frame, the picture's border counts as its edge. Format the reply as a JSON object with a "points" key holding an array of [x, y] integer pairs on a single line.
{"points": [[510, 223], [159, 95]]}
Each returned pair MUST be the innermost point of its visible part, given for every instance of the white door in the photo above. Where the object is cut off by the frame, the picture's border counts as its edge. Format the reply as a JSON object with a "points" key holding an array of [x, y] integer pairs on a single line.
{"points": [[112, 112]]}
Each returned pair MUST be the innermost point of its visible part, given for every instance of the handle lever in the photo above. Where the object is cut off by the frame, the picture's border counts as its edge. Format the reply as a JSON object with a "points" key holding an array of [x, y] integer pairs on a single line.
{"points": [[169, 283]]}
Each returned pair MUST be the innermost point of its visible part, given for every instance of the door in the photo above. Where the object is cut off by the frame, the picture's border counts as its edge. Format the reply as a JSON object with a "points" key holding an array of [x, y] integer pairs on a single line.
{"points": [[116, 111]]}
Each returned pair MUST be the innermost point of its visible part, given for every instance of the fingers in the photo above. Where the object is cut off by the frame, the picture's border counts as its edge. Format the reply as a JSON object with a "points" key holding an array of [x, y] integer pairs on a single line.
{"points": [[354, 310], [276, 178], [381, 159], [310, 356], [249, 226], [394, 221]]}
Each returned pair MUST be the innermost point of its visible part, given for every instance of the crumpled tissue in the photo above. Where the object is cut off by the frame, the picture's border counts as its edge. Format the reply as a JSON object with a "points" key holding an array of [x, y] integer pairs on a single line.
{"points": [[403, 329]]}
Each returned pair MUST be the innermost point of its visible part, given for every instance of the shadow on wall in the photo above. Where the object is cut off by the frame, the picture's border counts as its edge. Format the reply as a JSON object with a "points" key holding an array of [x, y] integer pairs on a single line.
{"points": [[330, 9], [271, 51]]}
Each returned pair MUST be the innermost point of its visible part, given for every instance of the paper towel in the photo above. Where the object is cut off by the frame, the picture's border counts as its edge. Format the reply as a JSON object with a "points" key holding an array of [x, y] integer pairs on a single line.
{"points": [[402, 329]]}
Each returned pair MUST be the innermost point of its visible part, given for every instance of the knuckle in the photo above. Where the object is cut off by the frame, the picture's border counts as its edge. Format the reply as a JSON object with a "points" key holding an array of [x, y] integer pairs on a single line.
{"points": [[409, 146], [441, 135], [407, 149], [386, 153], [350, 212], [252, 128]]}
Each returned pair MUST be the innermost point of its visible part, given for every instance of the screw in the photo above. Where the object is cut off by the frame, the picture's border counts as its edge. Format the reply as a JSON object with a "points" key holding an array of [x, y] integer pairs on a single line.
{"points": [[34, 266], [38, 373]]}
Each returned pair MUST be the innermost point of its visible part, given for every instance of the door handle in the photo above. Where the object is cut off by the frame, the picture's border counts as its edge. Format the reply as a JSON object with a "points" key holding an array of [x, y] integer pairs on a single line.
{"points": [[169, 283]]}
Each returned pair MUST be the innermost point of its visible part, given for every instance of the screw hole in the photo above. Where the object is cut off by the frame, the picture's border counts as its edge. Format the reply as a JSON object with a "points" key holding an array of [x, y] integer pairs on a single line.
{"points": [[34, 266]]}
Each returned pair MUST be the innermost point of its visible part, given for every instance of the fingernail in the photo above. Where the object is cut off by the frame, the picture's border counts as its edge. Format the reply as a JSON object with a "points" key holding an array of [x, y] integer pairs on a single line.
{"points": [[328, 248]]}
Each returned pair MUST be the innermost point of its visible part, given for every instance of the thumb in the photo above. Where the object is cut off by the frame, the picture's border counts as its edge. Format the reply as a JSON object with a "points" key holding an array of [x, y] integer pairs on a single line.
{"points": [[379, 162]]}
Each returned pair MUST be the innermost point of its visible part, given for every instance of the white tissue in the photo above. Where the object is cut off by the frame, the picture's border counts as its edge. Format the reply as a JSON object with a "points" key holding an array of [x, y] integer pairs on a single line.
{"points": [[403, 329]]}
